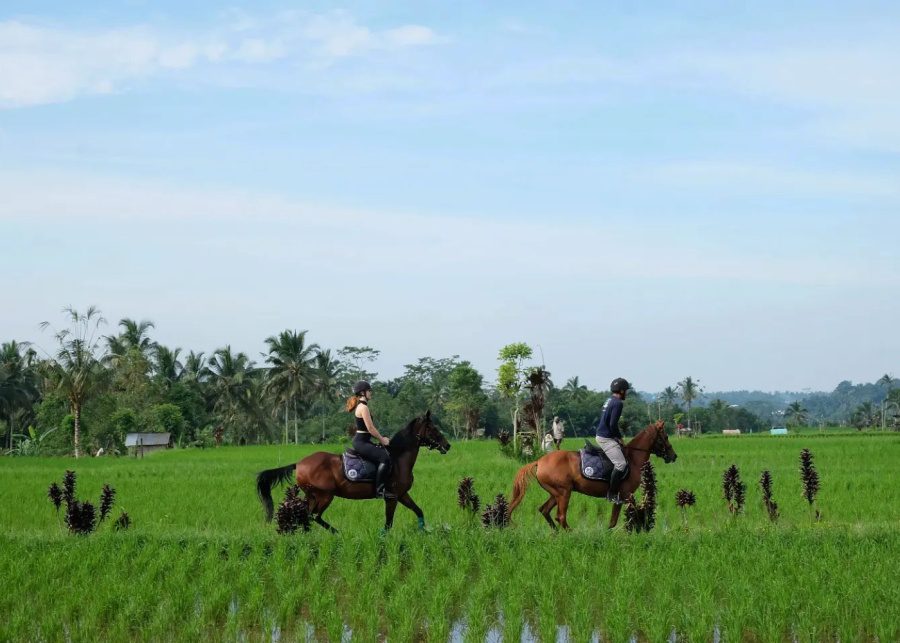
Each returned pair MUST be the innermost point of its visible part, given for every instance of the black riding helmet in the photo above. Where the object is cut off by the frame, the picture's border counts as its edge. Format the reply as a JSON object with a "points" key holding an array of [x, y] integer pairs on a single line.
{"points": [[361, 387], [619, 385]]}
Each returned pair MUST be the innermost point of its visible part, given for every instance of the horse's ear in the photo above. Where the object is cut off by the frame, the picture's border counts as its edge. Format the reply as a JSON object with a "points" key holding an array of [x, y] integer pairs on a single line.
{"points": [[428, 415]]}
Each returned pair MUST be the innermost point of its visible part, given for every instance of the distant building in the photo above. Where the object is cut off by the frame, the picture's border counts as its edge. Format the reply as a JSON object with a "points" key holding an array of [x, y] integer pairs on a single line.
{"points": [[141, 444]]}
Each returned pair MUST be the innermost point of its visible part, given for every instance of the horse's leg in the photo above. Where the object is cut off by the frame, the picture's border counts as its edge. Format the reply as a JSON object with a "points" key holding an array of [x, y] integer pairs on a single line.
{"points": [[390, 506], [614, 516], [322, 503], [562, 505], [545, 510], [409, 503]]}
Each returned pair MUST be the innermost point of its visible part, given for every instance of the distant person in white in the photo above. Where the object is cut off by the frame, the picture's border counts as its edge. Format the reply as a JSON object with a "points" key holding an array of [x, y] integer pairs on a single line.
{"points": [[559, 432], [547, 444]]}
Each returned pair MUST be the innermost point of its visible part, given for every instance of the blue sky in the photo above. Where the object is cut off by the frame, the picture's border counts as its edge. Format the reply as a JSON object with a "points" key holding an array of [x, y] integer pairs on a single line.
{"points": [[650, 191]]}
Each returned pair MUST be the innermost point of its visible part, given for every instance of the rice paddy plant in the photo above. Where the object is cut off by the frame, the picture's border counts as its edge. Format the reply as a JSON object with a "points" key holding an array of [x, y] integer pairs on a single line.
{"points": [[189, 570], [765, 483], [810, 478], [733, 490]]}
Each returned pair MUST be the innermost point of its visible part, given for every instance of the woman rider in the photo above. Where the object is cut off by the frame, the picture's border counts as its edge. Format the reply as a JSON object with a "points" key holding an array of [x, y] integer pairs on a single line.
{"points": [[362, 439]]}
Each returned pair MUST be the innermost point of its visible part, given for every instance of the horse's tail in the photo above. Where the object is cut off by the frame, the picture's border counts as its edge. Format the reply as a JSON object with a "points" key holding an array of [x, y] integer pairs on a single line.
{"points": [[267, 479], [525, 475]]}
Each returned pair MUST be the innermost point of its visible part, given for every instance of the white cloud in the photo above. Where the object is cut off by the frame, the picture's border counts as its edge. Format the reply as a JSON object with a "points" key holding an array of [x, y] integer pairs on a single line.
{"points": [[42, 64]]}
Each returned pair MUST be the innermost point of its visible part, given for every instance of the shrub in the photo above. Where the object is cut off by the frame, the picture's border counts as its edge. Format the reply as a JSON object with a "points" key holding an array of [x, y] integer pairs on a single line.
{"points": [[496, 514], [733, 489]]}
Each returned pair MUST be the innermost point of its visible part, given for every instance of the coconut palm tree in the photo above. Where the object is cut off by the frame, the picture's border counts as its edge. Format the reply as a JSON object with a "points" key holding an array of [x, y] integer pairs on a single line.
{"points": [[76, 368], [326, 382], [134, 336], [166, 365], [230, 381], [690, 390], [575, 389], [668, 397], [18, 383], [291, 373], [796, 414]]}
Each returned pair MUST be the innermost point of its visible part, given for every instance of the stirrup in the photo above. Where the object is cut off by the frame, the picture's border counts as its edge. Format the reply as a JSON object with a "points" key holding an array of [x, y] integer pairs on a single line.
{"points": [[616, 498], [384, 494]]}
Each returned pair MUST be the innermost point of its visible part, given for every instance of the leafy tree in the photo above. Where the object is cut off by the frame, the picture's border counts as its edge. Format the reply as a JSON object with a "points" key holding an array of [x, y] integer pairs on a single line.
{"points": [[354, 360], [326, 383], [75, 368], [509, 376], [668, 397], [290, 375], [467, 399]]}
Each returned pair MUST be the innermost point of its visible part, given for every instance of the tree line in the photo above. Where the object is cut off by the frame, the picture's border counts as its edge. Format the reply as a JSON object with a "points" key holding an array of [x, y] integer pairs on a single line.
{"points": [[94, 386]]}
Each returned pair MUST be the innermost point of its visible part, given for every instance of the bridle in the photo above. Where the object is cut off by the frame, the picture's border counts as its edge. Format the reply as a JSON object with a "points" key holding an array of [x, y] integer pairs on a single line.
{"points": [[428, 442], [655, 449]]}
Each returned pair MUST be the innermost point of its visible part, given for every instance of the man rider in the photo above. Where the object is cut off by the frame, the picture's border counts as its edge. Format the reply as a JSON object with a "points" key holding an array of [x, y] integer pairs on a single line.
{"points": [[610, 438]]}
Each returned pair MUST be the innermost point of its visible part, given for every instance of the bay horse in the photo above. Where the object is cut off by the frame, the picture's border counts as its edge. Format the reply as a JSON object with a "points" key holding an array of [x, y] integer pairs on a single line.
{"points": [[321, 475], [559, 473]]}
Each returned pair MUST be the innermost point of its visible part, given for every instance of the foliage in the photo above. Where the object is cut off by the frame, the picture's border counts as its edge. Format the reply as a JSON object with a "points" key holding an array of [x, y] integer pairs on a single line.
{"points": [[765, 483], [496, 514], [810, 478], [293, 512], [466, 497], [80, 516], [642, 517], [733, 490]]}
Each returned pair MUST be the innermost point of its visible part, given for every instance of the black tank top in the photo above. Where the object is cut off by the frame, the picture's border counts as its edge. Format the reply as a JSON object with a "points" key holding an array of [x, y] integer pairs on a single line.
{"points": [[360, 423]]}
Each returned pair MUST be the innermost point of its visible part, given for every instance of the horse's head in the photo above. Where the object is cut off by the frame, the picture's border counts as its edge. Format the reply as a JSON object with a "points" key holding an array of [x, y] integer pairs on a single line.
{"points": [[661, 446], [429, 435]]}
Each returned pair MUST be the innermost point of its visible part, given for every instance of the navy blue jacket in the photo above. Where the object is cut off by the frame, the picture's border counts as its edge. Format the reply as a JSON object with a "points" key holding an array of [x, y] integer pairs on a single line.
{"points": [[609, 419]]}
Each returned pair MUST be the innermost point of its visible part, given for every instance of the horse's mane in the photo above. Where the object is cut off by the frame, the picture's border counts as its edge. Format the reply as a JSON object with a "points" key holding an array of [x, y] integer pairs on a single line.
{"points": [[646, 429], [404, 438]]}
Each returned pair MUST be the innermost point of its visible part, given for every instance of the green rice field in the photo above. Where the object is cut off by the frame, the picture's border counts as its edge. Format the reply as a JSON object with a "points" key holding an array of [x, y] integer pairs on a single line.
{"points": [[199, 562]]}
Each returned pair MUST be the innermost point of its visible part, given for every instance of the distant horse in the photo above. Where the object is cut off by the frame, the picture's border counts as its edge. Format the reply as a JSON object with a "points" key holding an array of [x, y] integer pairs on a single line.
{"points": [[559, 473], [321, 475]]}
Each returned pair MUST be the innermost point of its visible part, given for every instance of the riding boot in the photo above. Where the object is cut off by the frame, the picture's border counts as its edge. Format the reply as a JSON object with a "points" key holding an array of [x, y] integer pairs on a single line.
{"points": [[615, 481], [382, 476]]}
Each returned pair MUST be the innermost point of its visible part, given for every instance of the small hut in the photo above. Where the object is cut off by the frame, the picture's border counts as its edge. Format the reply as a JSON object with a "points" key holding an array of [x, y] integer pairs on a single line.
{"points": [[140, 444]]}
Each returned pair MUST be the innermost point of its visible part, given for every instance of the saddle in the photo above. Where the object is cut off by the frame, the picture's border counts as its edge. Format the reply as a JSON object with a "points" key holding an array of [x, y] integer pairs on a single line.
{"points": [[594, 463], [357, 468]]}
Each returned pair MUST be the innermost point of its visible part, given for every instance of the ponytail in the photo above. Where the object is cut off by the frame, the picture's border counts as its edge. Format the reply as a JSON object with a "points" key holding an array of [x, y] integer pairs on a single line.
{"points": [[352, 401]]}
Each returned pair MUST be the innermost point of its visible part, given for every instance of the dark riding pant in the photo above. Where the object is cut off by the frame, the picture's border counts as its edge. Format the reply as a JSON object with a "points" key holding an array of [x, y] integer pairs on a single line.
{"points": [[363, 445]]}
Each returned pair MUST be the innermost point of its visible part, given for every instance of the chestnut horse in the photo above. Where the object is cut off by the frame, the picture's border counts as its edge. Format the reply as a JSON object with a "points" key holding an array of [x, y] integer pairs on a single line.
{"points": [[559, 473], [321, 475]]}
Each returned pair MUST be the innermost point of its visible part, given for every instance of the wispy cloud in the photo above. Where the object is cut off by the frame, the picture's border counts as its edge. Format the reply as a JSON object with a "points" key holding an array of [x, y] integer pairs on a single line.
{"points": [[42, 64], [434, 244]]}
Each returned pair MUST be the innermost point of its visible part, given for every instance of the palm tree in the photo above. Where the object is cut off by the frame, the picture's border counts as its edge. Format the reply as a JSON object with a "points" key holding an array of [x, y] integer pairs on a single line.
{"points": [[864, 415], [668, 397], [76, 368], [326, 382], [195, 368], [230, 381], [797, 414], [290, 376], [690, 390], [18, 383], [575, 389], [168, 369], [134, 336]]}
